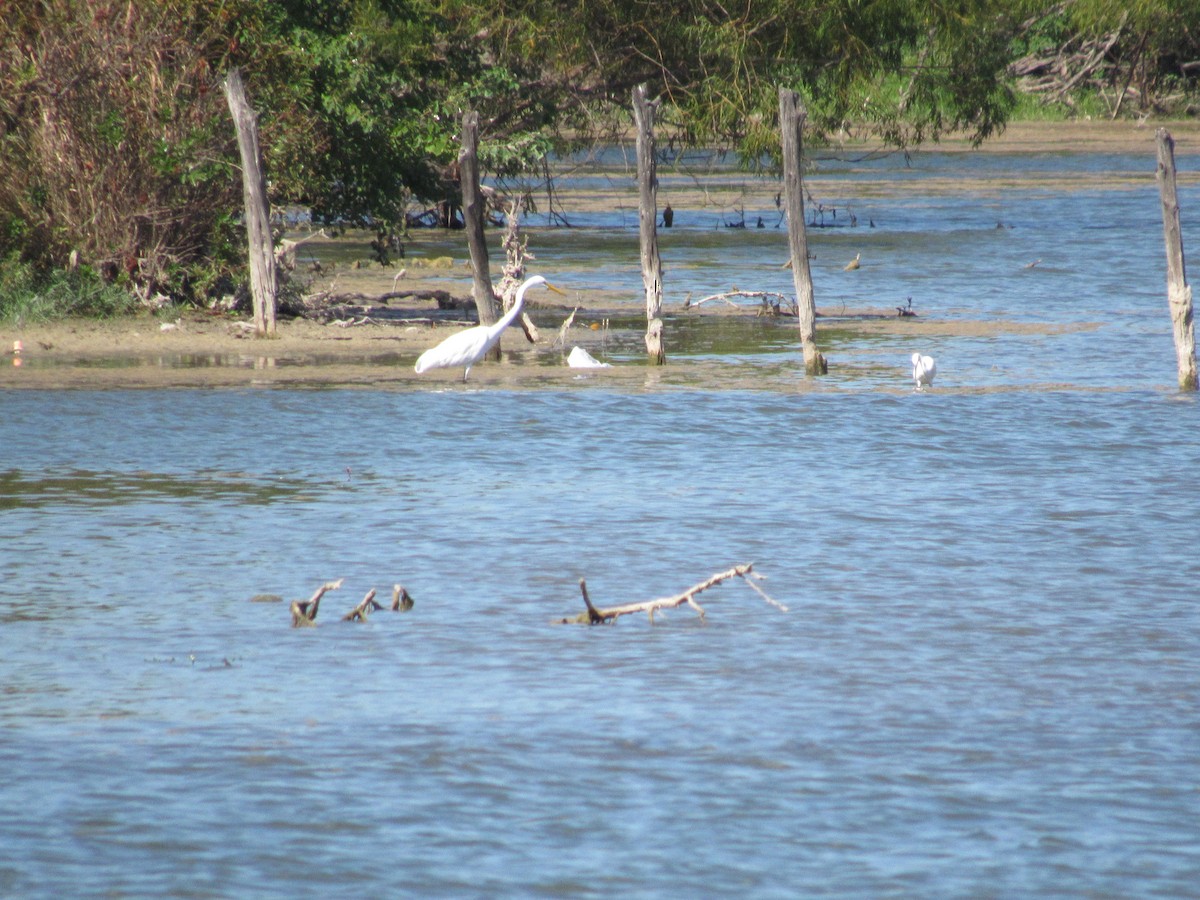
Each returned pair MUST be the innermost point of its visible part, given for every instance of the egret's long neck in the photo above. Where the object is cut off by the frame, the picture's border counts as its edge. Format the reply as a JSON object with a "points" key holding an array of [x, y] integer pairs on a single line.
{"points": [[513, 312]]}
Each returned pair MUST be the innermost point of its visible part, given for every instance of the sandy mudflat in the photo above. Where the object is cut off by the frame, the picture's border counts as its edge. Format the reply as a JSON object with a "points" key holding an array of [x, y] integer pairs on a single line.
{"points": [[219, 351]]}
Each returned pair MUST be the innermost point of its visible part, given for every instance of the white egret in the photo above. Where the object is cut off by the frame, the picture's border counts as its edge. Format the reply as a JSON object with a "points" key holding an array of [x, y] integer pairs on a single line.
{"points": [[581, 359], [468, 347], [924, 368]]}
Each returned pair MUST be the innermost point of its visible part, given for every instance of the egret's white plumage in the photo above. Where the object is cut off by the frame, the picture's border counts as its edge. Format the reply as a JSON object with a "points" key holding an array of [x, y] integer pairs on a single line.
{"points": [[924, 368], [468, 347], [581, 359]]}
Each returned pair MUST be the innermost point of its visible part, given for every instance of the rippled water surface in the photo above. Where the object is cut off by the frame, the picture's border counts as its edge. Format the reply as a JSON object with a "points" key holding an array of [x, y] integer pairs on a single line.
{"points": [[987, 682]]}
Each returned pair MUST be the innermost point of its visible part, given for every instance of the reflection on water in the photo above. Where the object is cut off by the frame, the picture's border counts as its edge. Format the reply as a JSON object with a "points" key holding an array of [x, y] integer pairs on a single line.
{"points": [[988, 682]]}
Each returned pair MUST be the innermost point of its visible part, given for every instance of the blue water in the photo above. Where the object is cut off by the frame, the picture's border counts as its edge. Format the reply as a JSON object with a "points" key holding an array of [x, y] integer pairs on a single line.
{"points": [[986, 683]]}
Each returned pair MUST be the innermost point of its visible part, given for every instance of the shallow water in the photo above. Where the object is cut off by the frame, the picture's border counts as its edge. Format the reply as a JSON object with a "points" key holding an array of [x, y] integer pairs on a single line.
{"points": [[987, 682]]}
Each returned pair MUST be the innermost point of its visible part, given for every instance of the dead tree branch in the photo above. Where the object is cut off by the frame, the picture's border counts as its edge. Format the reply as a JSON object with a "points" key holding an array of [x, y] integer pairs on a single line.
{"points": [[765, 298], [401, 601], [304, 613], [364, 609], [594, 615]]}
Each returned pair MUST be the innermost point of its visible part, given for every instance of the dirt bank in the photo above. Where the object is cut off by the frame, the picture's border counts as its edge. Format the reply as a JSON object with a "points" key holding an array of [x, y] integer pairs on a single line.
{"points": [[377, 344]]}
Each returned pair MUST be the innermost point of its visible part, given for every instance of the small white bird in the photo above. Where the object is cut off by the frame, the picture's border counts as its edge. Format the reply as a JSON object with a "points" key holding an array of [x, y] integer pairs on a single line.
{"points": [[581, 359], [468, 347], [924, 368]]}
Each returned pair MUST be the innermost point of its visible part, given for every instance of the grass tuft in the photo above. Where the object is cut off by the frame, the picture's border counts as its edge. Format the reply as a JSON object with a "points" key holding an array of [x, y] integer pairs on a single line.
{"points": [[29, 296]]}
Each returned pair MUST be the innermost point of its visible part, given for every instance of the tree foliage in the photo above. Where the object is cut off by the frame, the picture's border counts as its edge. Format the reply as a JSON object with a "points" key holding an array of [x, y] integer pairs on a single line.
{"points": [[116, 148], [111, 142]]}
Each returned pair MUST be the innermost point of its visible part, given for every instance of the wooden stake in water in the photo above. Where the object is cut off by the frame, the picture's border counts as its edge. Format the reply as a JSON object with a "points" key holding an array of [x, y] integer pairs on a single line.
{"points": [[792, 115], [263, 277], [1179, 292], [643, 116], [473, 215]]}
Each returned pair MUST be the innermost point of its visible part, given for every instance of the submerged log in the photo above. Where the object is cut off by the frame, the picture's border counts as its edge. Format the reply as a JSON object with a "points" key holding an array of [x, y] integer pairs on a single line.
{"points": [[304, 613], [401, 601], [770, 302], [594, 615], [364, 609]]}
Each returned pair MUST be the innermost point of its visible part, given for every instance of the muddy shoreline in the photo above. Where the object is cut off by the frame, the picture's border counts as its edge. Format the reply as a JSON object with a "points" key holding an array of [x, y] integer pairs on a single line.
{"points": [[376, 344]]}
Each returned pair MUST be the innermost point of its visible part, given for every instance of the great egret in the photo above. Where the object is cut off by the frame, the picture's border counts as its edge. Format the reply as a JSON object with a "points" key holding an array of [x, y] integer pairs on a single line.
{"points": [[468, 347], [924, 368]]}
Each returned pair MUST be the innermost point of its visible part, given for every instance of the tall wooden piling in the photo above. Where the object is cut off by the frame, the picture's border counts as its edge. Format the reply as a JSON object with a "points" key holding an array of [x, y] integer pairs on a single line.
{"points": [[643, 115], [473, 216], [792, 116], [263, 277], [1179, 292]]}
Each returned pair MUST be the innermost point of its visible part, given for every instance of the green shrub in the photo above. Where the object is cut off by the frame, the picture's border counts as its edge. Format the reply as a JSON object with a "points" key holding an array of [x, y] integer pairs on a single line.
{"points": [[29, 295]]}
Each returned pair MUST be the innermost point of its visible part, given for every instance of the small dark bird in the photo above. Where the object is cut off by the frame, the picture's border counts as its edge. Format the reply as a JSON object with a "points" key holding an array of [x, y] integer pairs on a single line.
{"points": [[668, 216]]}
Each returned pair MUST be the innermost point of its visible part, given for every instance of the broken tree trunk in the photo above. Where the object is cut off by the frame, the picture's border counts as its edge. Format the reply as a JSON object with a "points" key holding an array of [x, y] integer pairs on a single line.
{"points": [[515, 252], [643, 115], [304, 613], [603, 616], [468, 168], [401, 600], [1179, 292], [364, 609], [263, 278], [792, 115]]}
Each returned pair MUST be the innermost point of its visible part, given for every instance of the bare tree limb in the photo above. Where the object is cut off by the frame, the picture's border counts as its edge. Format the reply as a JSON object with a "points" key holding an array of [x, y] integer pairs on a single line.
{"points": [[605, 615], [364, 609], [401, 601], [304, 613]]}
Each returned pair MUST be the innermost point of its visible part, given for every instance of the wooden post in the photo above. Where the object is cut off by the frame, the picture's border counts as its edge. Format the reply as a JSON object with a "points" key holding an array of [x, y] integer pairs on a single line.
{"points": [[792, 115], [643, 115], [258, 209], [1179, 292], [468, 170]]}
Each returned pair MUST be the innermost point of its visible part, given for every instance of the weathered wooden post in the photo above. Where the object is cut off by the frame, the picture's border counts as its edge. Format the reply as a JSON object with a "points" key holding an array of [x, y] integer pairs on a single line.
{"points": [[643, 116], [468, 173], [1179, 292], [792, 115], [258, 209]]}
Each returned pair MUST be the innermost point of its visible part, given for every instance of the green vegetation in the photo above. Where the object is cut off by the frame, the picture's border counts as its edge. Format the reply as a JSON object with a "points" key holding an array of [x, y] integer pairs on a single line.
{"points": [[28, 296], [117, 151]]}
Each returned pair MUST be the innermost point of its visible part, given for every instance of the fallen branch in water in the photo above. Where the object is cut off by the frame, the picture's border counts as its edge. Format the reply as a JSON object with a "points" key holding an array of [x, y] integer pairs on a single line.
{"points": [[364, 609], [304, 613], [401, 601], [765, 299], [603, 616]]}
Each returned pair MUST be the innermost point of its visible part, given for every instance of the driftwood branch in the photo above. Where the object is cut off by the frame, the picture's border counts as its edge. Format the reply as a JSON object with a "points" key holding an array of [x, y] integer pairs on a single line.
{"points": [[765, 298], [516, 251], [594, 615], [304, 612], [401, 601], [364, 609]]}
